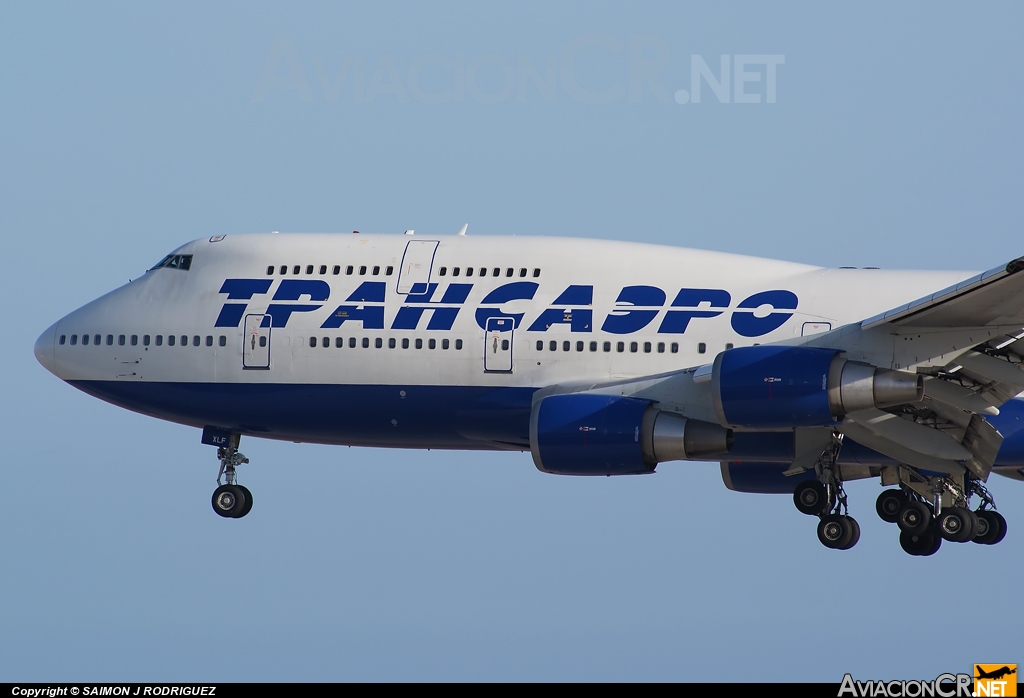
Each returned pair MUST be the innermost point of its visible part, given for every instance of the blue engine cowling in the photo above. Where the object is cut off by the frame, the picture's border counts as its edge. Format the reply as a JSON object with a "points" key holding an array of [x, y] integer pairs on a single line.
{"points": [[762, 478], [583, 434], [769, 387]]}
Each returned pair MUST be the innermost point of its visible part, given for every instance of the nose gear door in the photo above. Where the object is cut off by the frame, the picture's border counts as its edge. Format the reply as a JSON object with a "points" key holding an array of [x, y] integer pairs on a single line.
{"points": [[256, 342], [498, 345]]}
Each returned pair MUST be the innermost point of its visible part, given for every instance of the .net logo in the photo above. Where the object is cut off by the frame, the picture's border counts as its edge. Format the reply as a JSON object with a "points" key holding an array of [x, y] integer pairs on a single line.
{"points": [[995, 680]]}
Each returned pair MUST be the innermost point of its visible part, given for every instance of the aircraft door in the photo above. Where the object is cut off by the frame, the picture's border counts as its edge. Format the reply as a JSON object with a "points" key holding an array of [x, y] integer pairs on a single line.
{"points": [[414, 275], [498, 345], [256, 342]]}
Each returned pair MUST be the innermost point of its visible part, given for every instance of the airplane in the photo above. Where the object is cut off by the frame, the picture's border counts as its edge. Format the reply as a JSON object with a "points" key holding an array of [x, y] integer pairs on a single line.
{"points": [[995, 674], [598, 357]]}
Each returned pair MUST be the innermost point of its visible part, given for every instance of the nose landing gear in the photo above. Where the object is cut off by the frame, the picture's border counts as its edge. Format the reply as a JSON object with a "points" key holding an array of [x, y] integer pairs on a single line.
{"points": [[230, 500]]}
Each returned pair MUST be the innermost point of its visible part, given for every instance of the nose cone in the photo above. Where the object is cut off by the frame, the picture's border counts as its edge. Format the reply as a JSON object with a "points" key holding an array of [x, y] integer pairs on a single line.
{"points": [[44, 349]]}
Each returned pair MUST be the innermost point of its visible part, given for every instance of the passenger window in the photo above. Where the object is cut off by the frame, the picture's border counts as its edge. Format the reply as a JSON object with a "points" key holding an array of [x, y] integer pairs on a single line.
{"points": [[728, 346], [376, 271], [284, 270], [323, 268], [702, 348], [339, 342], [536, 273], [647, 347], [145, 340], [504, 345], [348, 270], [389, 271], [405, 343], [135, 340], [565, 346], [270, 270], [661, 347], [496, 272], [432, 344], [263, 340], [325, 342], [593, 346], [620, 347], [222, 341], [309, 268], [336, 270], [74, 339], [455, 271], [469, 271], [209, 340], [483, 271], [378, 343], [419, 343], [442, 271], [391, 343], [675, 347], [159, 340], [607, 346], [362, 271], [351, 342], [312, 342], [197, 340], [458, 344], [171, 339], [633, 347], [522, 272], [63, 338], [110, 340], [509, 271], [366, 342], [85, 339], [184, 340], [120, 340], [444, 343], [96, 339], [553, 346], [295, 269], [579, 346], [540, 345]]}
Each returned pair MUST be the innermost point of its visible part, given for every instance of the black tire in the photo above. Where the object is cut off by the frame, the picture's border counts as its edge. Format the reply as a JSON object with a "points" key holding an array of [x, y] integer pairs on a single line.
{"points": [[248, 501], [834, 531], [855, 535], [910, 543], [228, 500], [810, 497], [996, 527], [975, 524], [889, 503], [930, 543], [914, 517], [955, 524]]}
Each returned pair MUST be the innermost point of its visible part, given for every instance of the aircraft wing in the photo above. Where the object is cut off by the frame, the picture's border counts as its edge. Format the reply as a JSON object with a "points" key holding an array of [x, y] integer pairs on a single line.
{"points": [[967, 342]]}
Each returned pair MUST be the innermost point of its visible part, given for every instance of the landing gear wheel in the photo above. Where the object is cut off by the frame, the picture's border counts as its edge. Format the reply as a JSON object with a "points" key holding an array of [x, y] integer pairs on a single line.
{"points": [[810, 497], [889, 503], [914, 517], [955, 524], [926, 544], [248, 501], [855, 532], [228, 501], [991, 527], [835, 531]]}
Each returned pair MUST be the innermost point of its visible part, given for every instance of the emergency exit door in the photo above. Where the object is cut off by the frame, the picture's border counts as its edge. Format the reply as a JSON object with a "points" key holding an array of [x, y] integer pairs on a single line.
{"points": [[256, 342], [498, 345]]}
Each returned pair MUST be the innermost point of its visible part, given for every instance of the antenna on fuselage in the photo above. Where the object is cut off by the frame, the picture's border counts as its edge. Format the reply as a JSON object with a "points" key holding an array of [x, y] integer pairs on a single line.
{"points": [[462, 230], [410, 232]]}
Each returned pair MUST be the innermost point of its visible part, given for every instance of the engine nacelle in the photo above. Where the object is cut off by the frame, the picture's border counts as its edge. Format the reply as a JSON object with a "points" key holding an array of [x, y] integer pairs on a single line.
{"points": [[772, 387], [591, 434]]}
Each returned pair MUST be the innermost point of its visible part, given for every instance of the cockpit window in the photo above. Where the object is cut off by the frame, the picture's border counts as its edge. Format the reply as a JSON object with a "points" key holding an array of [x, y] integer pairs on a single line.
{"points": [[175, 261]]}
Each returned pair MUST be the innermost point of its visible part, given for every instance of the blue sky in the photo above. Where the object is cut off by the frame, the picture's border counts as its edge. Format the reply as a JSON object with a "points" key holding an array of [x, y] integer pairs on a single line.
{"points": [[893, 140]]}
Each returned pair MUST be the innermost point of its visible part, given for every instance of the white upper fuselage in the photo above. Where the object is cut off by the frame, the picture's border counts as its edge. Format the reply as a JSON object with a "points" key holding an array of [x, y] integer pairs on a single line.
{"points": [[170, 302]]}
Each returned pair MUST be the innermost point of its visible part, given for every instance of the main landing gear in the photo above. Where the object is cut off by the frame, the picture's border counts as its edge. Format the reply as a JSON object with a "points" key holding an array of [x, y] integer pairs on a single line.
{"points": [[231, 500], [826, 499], [924, 527]]}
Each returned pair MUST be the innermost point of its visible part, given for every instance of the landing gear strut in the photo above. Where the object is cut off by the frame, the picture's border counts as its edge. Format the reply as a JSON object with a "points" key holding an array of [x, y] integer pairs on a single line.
{"points": [[826, 499], [231, 500]]}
